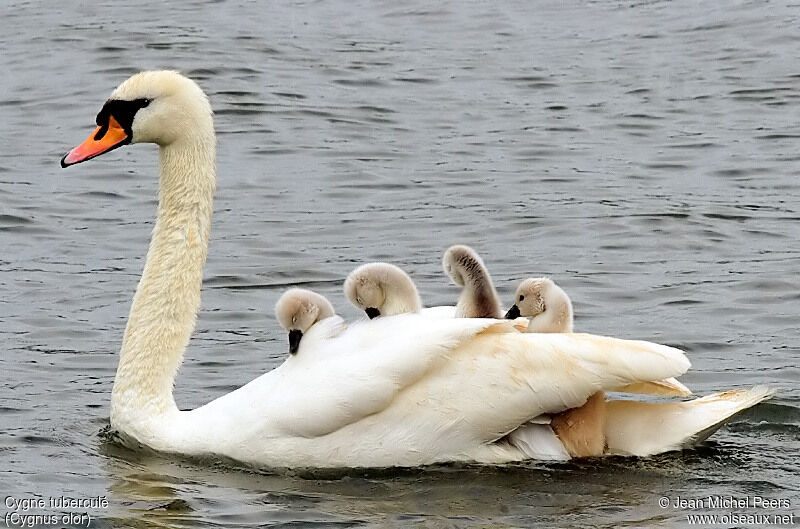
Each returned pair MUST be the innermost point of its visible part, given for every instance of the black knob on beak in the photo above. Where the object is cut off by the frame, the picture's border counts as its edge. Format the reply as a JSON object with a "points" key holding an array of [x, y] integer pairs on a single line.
{"points": [[294, 340], [372, 312], [513, 313]]}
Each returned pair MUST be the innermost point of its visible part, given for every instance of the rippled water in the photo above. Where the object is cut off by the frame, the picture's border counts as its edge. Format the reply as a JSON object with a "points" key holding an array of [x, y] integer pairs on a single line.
{"points": [[643, 154]]}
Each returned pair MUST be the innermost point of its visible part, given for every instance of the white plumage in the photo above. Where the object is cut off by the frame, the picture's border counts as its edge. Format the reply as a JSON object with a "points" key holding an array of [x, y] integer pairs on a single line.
{"points": [[403, 390], [450, 391]]}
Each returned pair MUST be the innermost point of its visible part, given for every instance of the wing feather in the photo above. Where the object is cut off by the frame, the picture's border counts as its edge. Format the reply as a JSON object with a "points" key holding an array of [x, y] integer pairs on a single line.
{"points": [[485, 373], [412, 390]]}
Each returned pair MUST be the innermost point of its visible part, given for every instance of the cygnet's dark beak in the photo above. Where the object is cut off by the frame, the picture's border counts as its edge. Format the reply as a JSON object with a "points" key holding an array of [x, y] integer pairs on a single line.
{"points": [[513, 313], [294, 340], [372, 312]]}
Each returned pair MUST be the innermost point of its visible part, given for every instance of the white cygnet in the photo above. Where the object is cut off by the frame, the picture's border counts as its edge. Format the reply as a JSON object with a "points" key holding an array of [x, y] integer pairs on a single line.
{"points": [[478, 296], [298, 310], [545, 303], [382, 289]]}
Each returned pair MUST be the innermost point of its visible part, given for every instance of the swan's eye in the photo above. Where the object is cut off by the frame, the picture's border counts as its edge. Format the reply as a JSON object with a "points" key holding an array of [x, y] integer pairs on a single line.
{"points": [[521, 298], [122, 110]]}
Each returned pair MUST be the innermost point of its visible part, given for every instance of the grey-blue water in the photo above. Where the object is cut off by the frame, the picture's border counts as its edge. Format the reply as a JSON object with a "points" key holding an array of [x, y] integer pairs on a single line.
{"points": [[643, 154]]}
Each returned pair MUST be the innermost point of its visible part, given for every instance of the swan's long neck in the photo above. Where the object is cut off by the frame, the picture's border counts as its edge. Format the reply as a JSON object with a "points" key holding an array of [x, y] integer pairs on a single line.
{"points": [[165, 306], [401, 297], [478, 298]]}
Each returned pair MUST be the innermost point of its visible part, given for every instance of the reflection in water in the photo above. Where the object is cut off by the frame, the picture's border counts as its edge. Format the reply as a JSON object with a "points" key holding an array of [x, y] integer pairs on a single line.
{"points": [[181, 492]]}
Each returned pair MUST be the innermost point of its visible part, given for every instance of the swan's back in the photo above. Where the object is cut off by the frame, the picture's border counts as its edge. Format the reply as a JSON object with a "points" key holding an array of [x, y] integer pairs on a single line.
{"points": [[450, 391]]}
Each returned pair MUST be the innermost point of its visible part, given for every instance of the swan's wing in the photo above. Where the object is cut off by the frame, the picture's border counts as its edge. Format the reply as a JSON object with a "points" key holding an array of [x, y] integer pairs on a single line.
{"points": [[669, 387], [410, 389], [338, 378], [435, 373], [440, 311], [449, 311], [521, 324], [493, 383]]}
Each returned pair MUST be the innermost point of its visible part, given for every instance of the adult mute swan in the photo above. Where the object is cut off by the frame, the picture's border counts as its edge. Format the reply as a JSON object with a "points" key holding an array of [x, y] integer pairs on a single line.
{"points": [[405, 390], [297, 310], [382, 289], [465, 268]]}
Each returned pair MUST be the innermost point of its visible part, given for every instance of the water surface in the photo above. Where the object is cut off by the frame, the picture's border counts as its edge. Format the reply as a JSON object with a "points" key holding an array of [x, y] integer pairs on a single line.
{"points": [[643, 154]]}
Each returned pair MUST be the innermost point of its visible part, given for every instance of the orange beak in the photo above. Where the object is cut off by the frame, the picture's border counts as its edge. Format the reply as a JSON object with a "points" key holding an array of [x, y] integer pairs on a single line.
{"points": [[103, 139]]}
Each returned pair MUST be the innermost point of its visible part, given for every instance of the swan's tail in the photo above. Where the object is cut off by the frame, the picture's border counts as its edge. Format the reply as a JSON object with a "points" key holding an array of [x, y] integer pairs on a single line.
{"points": [[642, 428]]}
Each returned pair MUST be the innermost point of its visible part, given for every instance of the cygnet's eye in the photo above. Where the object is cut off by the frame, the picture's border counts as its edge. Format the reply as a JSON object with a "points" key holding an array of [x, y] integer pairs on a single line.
{"points": [[294, 319], [521, 298], [359, 301]]}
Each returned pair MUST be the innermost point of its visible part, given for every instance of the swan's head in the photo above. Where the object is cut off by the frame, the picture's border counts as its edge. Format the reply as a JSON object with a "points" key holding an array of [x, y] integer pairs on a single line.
{"points": [[159, 107], [461, 264], [536, 295], [545, 303], [529, 298], [382, 289], [298, 310]]}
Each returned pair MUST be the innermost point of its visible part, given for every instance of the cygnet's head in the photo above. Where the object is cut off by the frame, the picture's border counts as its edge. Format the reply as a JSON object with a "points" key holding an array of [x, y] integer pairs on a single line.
{"points": [[297, 310], [548, 306], [478, 296], [382, 289], [149, 107]]}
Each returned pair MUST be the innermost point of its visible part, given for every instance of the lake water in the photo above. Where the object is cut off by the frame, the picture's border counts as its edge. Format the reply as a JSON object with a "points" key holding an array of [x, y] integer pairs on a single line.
{"points": [[643, 154]]}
